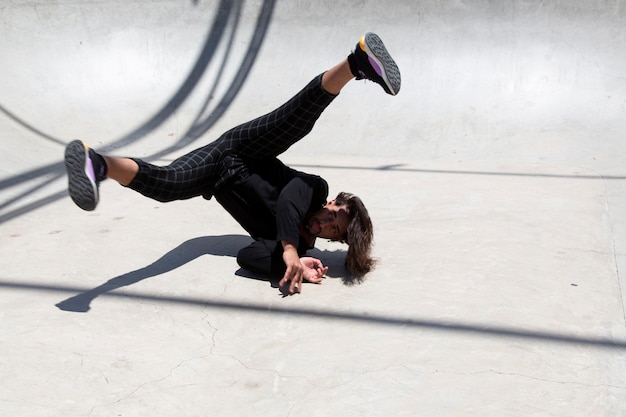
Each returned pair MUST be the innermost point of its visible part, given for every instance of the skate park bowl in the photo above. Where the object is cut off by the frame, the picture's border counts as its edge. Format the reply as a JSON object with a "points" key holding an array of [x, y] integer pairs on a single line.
{"points": [[496, 181]]}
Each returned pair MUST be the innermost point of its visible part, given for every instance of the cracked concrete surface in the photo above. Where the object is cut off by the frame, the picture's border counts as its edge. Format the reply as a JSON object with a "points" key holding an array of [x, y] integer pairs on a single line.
{"points": [[495, 180]]}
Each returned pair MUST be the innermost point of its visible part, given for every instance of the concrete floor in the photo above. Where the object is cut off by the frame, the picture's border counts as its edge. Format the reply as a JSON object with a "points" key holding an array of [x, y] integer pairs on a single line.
{"points": [[496, 180]]}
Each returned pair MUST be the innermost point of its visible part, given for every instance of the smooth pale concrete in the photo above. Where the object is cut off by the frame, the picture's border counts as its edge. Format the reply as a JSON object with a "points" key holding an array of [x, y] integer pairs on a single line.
{"points": [[496, 180]]}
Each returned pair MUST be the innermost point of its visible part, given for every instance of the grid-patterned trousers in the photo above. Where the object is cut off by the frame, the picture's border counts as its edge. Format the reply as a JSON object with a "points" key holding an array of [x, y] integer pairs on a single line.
{"points": [[204, 170]]}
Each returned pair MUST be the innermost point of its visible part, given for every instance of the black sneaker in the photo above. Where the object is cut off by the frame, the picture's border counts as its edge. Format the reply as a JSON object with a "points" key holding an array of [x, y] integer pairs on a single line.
{"points": [[85, 170], [370, 60]]}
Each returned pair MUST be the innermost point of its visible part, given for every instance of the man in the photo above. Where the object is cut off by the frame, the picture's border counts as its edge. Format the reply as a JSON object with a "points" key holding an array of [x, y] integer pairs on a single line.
{"points": [[284, 210]]}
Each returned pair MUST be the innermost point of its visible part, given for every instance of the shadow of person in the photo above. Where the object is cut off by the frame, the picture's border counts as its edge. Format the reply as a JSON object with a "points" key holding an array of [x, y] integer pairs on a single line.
{"points": [[226, 245]]}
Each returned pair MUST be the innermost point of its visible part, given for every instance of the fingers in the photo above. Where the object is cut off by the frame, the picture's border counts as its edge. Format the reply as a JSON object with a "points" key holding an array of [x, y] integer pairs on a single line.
{"points": [[317, 263], [321, 270], [318, 267], [315, 280], [295, 279], [316, 275], [285, 277], [296, 285], [313, 263], [314, 271]]}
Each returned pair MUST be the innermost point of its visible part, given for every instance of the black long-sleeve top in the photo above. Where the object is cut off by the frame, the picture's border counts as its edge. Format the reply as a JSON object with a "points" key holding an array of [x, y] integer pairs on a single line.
{"points": [[271, 201]]}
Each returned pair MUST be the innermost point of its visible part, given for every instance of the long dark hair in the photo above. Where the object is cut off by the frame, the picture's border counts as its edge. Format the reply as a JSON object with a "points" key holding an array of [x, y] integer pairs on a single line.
{"points": [[360, 236]]}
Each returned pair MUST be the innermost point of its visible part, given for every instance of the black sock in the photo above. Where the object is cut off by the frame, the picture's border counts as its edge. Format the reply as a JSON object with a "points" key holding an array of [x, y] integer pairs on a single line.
{"points": [[353, 66], [99, 165]]}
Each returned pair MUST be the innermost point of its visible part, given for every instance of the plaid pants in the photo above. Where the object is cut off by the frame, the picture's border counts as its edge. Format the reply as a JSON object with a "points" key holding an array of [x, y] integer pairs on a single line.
{"points": [[206, 169]]}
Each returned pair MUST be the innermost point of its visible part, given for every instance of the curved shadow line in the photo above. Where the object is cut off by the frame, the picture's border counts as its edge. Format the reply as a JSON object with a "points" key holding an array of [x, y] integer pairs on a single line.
{"points": [[30, 127], [57, 170], [376, 319], [17, 179], [220, 73], [42, 202], [209, 48], [186, 138], [192, 79], [244, 69], [24, 194], [199, 129], [218, 27]]}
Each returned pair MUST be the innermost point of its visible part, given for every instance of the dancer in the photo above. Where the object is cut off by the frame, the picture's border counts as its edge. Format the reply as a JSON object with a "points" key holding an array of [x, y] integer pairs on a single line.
{"points": [[282, 209]]}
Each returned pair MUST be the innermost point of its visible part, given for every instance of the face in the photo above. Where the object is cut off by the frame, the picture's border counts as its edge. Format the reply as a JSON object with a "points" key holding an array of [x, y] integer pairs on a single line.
{"points": [[329, 222]]}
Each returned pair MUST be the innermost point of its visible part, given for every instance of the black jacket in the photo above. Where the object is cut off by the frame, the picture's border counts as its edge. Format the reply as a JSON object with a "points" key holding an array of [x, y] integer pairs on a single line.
{"points": [[270, 201]]}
